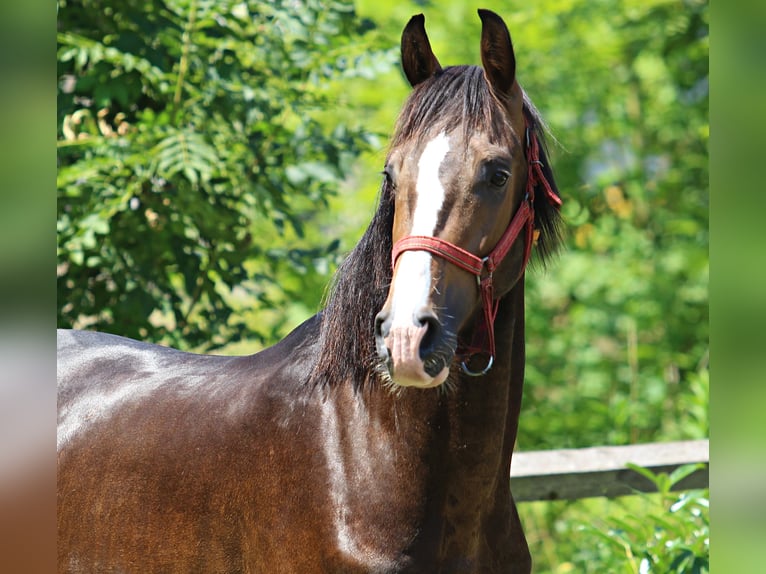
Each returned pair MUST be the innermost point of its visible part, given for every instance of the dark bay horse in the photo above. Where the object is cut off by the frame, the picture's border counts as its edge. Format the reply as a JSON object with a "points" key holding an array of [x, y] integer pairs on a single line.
{"points": [[377, 436]]}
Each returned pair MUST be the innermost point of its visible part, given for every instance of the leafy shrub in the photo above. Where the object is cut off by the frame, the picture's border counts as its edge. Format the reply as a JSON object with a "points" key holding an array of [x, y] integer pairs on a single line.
{"points": [[659, 533], [671, 536], [192, 158]]}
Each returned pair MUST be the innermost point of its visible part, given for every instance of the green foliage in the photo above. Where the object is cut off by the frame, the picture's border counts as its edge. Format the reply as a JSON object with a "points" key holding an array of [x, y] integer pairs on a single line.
{"points": [[618, 327], [660, 533], [672, 535], [192, 156]]}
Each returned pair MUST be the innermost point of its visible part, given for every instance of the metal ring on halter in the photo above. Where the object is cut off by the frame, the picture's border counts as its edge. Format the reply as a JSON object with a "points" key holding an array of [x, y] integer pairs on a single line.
{"points": [[483, 265], [484, 371]]}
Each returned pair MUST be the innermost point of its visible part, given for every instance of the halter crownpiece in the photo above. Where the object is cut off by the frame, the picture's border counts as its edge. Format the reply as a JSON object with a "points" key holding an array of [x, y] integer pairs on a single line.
{"points": [[484, 267]]}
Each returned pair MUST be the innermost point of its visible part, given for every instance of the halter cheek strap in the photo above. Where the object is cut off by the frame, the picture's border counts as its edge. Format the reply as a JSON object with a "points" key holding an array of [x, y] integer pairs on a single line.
{"points": [[484, 267]]}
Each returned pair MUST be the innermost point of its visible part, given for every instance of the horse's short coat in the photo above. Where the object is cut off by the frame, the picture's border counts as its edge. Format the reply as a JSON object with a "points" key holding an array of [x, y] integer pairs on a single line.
{"points": [[328, 452]]}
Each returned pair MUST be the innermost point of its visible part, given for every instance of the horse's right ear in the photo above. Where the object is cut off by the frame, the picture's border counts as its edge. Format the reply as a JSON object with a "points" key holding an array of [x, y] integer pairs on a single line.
{"points": [[418, 60]]}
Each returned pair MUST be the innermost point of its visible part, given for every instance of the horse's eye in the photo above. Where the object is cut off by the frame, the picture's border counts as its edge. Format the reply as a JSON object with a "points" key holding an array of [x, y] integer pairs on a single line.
{"points": [[499, 178]]}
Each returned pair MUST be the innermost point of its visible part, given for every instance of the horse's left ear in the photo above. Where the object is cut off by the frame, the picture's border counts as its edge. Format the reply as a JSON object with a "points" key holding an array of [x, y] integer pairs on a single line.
{"points": [[497, 53]]}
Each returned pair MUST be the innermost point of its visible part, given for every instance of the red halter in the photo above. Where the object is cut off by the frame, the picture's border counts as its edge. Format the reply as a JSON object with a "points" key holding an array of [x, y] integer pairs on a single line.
{"points": [[484, 267]]}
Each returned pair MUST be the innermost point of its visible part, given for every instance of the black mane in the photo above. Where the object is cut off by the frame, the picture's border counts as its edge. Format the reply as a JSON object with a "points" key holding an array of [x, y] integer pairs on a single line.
{"points": [[547, 215], [459, 95]]}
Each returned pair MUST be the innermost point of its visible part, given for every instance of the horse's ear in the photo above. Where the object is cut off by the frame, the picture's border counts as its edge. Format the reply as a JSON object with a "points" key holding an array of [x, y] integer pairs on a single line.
{"points": [[497, 53], [418, 59]]}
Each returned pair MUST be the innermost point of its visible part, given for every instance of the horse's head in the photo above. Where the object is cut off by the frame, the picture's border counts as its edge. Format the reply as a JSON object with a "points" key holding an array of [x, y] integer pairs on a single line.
{"points": [[458, 171]]}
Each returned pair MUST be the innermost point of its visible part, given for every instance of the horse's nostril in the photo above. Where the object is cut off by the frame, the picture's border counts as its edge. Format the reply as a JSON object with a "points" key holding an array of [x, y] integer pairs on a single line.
{"points": [[433, 332], [426, 319], [382, 330], [382, 325]]}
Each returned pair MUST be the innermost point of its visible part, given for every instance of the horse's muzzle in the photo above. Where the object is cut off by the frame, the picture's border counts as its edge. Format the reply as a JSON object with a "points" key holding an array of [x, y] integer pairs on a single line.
{"points": [[416, 354]]}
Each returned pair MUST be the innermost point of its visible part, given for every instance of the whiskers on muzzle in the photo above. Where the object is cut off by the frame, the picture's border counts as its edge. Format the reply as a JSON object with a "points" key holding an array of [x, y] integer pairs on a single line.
{"points": [[439, 355]]}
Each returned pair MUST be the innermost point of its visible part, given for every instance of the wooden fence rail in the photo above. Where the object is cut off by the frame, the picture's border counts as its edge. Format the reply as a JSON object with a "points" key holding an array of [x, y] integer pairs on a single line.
{"points": [[600, 471]]}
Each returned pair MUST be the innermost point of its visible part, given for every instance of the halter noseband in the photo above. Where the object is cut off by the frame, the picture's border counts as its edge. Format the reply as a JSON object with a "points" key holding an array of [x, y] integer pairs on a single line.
{"points": [[484, 267]]}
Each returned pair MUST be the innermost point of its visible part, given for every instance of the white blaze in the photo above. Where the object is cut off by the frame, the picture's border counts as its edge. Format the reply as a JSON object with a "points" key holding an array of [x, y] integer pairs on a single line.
{"points": [[412, 284]]}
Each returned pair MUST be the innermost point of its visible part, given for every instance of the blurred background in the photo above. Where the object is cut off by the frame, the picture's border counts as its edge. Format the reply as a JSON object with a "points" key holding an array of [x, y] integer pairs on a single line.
{"points": [[216, 160]]}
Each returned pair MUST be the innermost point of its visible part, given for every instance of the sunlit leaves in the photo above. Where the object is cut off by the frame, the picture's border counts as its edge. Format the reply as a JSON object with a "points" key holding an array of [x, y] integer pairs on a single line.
{"points": [[191, 151], [186, 153]]}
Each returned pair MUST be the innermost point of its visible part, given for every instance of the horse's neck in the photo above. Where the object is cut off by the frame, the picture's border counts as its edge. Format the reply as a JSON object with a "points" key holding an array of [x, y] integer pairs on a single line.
{"points": [[447, 454], [484, 412]]}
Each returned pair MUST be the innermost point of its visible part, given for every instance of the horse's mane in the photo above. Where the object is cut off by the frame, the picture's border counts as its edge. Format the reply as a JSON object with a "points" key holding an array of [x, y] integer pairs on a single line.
{"points": [[459, 95], [547, 215]]}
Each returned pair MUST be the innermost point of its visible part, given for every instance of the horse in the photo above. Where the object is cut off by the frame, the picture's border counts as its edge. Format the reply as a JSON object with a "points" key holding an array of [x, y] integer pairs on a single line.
{"points": [[378, 435]]}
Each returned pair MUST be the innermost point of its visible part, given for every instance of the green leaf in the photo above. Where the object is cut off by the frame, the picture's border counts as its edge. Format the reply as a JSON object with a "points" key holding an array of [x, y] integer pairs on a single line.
{"points": [[645, 472], [186, 153], [683, 471], [95, 223]]}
